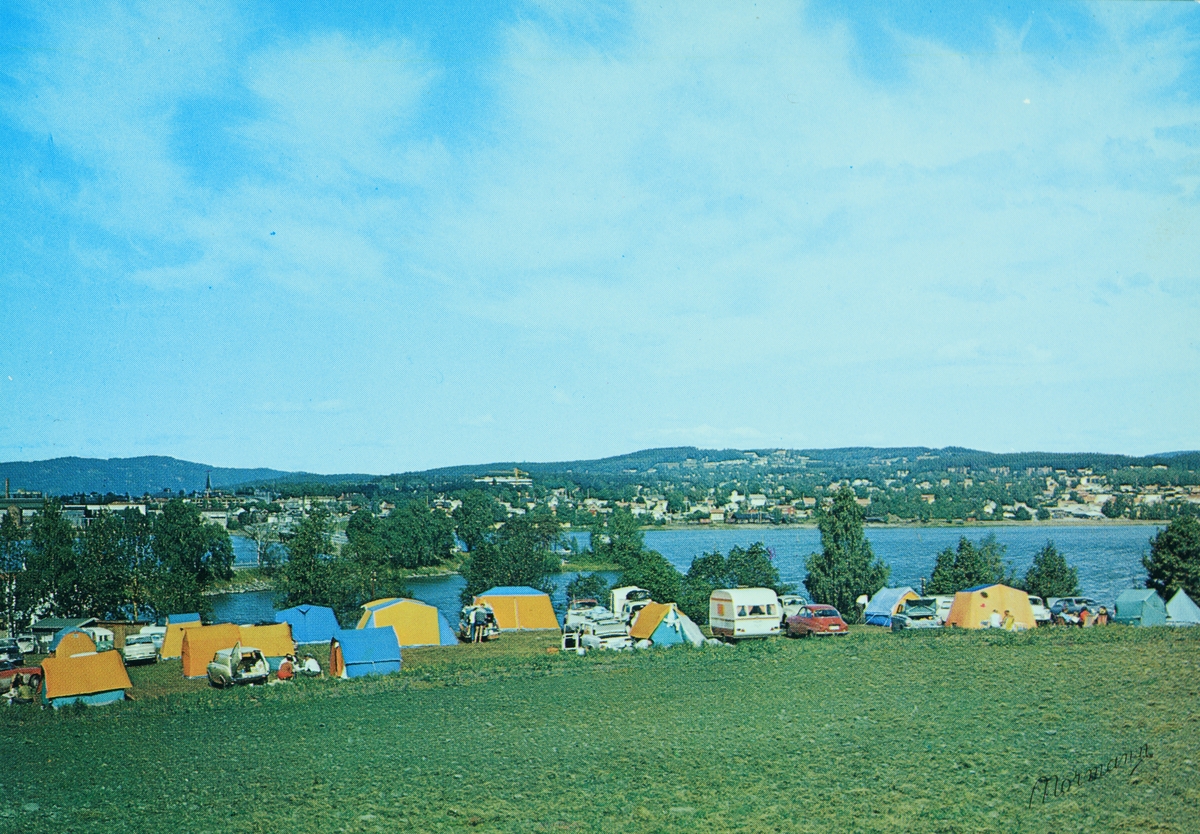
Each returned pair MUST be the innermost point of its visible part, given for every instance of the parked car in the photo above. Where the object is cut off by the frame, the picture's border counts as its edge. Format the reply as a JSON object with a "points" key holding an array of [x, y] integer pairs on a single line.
{"points": [[820, 620], [791, 605], [491, 629], [1041, 614], [604, 634], [585, 610], [239, 665], [917, 613], [1073, 605], [27, 642], [139, 648], [158, 633], [11, 655]]}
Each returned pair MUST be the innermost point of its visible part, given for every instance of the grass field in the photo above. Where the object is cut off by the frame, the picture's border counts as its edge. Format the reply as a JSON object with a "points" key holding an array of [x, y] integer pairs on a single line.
{"points": [[933, 732]]}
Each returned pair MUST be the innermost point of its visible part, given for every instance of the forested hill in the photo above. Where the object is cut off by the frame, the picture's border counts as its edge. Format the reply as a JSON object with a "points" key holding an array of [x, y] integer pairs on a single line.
{"points": [[141, 475]]}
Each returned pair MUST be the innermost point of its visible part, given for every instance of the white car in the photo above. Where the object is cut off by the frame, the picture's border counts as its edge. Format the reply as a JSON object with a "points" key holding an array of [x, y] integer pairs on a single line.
{"points": [[239, 665], [604, 634], [158, 633], [139, 648], [1041, 613], [791, 605]]}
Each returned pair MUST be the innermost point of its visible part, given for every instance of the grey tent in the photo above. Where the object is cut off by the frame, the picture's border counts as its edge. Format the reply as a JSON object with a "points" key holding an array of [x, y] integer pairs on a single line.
{"points": [[1181, 611], [1140, 606]]}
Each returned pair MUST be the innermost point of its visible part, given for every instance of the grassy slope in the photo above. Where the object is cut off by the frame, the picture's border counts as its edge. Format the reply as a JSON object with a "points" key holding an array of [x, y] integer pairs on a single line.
{"points": [[872, 732]]}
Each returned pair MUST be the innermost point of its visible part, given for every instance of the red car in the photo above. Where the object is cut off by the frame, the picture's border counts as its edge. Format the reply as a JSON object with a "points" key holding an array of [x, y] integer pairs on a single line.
{"points": [[821, 620]]}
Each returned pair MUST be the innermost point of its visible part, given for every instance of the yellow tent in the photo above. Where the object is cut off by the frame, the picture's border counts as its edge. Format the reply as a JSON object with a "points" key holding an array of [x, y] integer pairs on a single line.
{"points": [[91, 678], [520, 607], [973, 607], [201, 644], [173, 640], [74, 642], [416, 623], [648, 619], [272, 640]]}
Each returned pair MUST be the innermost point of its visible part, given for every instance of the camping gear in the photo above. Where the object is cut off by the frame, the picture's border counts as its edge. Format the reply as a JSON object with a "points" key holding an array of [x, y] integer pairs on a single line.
{"points": [[885, 604], [737, 613], [172, 645], [415, 623], [973, 607], [665, 625], [310, 623], [1181, 611], [89, 678], [71, 641], [1140, 607], [520, 607], [364, 651], [201, 644]]}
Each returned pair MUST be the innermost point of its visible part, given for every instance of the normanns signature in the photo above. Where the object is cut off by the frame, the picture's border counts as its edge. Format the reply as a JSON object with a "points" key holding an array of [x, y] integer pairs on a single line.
{"points": [[1056, 786]]}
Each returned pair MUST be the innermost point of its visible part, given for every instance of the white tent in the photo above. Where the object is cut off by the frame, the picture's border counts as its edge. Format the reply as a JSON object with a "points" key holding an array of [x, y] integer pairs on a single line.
{"points": [[1182, 611]]}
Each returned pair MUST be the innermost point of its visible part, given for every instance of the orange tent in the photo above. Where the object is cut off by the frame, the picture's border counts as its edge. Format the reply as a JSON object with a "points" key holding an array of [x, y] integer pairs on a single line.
{"points": [[519, 607], [973, 607], [74, 642], [272, 640], [173, 640], [201, 644], [91, 678]]}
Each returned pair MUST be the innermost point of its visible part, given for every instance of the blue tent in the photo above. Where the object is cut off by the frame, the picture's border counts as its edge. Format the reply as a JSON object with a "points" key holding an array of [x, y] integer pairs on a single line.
{"points": [[1182, 611], [60, 634], [310, 623], [884, 604], [182, 618], [1140, 606], [364, 651]]}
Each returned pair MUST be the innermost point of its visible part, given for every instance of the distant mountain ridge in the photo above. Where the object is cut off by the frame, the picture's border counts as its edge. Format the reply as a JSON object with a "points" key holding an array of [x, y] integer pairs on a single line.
{"points": [[151, 474]]}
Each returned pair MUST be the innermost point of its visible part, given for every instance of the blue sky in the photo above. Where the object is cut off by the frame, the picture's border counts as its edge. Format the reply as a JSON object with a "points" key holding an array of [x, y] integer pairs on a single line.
{"points": [[379, 239]]}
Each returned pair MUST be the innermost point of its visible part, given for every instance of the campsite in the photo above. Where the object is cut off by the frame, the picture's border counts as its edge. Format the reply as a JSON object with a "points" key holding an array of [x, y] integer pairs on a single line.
{"points": [[939, 731]]}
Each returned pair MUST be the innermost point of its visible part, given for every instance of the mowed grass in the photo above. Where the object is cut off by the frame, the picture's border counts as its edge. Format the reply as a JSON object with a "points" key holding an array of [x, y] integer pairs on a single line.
{"points": [[935, 732]]}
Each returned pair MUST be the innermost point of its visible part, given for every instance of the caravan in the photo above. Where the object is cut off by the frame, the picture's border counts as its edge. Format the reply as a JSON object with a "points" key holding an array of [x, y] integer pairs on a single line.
{"points": [[738, 613], [627, 601]]}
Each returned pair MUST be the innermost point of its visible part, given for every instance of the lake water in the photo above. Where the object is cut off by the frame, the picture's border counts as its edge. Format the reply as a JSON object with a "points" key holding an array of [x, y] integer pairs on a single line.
{"points": [[1109, 559]]}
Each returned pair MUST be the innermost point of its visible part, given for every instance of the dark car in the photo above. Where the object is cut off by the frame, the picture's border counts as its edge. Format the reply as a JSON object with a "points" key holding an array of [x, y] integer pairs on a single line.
{"points": [[821, 620], [1073, 605], [11, 655]]}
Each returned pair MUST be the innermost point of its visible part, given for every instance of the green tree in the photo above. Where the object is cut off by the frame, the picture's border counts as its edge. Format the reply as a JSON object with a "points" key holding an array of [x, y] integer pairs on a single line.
{"points": [[707, 572], [970, 565], [588, 586], [12, 563], [846, 567], [191, 555], [103, 566], [140, 564], [416, 537], [1050, 575], [475, 518], [653, 572], [521, 554], [1115, 507], [51, 583], [1174, 559], [618, 538], [308, 576]]}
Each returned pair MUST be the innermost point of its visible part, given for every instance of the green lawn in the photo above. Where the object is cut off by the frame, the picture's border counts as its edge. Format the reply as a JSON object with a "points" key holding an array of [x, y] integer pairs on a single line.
{"points": [[935, 732]]}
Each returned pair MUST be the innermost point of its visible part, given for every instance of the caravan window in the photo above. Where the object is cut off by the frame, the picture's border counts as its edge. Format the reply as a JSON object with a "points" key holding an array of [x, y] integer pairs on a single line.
{"points": [[761, 610], [771, 609], [741, 611]]}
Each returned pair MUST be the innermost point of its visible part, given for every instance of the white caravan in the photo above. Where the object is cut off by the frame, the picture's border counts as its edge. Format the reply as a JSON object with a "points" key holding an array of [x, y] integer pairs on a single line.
{"points": [[627, 602], [738, 613]]}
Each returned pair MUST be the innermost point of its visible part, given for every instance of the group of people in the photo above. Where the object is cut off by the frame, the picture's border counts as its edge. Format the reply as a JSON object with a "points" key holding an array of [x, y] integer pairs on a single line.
{"points": [[288, 668], [23, 689], [1084, 618]]}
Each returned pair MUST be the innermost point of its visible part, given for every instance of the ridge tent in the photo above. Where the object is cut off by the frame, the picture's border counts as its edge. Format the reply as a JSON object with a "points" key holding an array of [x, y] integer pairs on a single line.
{"points": [[885, 603], [88, 678], [201, 644], [665, 625], [71, 641], [416, 623], [274, 641], [1140, 607], [520, 607], [1182, 611], [360, 652], [310, 623], [173, 638], [973, 607]]}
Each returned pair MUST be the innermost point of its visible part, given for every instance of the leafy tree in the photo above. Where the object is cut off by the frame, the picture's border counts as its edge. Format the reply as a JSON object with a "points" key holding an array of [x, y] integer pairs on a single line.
{"points": [[1174, 560], [416, 537], [1050, 575], [618, 538], [846, 567], [588, 586], [753, 567], [103, 566], [746, 567], [1115, 507], [12, 560], [50, 583], [307, 577], [970, 565], [364, 571], [140, 564], [190, 554], [475, 518], [520, 554], [653, 572]]}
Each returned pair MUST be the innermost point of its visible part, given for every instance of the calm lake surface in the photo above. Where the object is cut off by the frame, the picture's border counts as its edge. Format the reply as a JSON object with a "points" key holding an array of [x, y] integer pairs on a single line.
{"points": [[1109, 559]]}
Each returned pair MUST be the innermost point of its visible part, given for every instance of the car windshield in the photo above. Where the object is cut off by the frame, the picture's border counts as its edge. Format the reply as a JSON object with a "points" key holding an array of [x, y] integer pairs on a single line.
{"points": [[135, 639]]}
